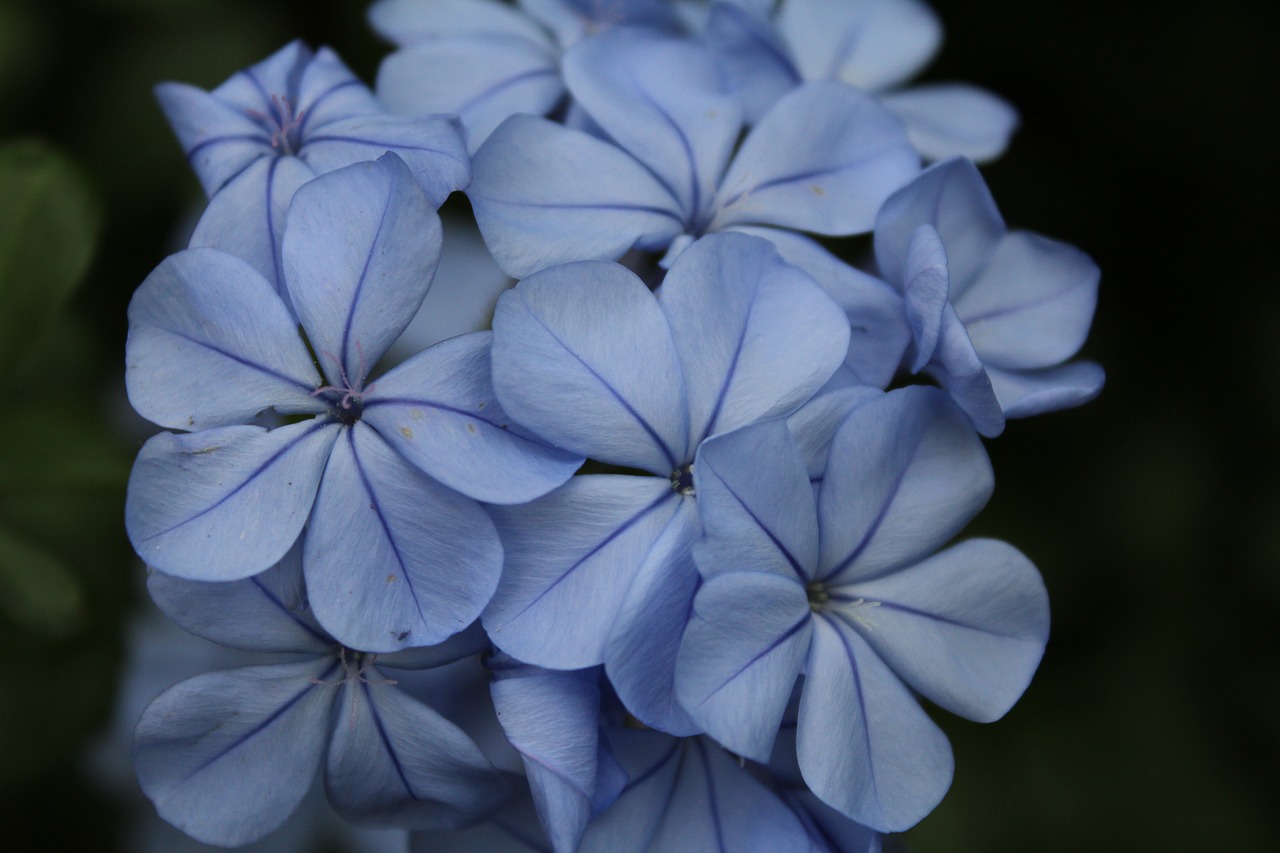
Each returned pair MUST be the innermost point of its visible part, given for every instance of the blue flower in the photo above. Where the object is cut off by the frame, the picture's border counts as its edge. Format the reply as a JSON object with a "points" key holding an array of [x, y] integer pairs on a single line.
{"points": [[848, 590], [385, 476], [875, 46], [272, 127], [994, 314], [822, 160], [251, 739], [587, 358]]}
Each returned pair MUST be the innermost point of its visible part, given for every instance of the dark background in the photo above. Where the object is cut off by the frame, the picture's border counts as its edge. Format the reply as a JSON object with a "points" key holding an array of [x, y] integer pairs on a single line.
{"points": [[1147, 140]]}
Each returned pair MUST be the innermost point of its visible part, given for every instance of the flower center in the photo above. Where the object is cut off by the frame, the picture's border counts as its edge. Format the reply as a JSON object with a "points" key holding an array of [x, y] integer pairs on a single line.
{"points": [[682, 480], [283, 124], [818, 597]]}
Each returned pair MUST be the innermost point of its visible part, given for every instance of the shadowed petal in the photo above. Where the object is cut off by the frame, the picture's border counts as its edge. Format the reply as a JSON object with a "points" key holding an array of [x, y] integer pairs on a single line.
{"points": [[218, 140], [574, 551], [1032, 305], [267, 612], [753, 56], [396, 762], [211, 344], [740, 656], [958, 368], [355, 295], [925, 292], [411, 21], [954, 119], [246, 218], [823, 159], [640, 657], [1023, 393], [906, 473], [431, 147], [776, 339], [439, 411], [392, 558], [661, 99], [756, 504], [966, 627], [247, 739], [952, 197], [871, 44], [815, 423], [513, 829], [545, 194], [583, 357], [224, 504], [866, 748]]}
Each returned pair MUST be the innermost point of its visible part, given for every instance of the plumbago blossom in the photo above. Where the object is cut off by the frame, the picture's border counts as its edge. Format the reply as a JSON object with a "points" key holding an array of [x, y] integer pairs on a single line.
{"points": [[678, 525]]}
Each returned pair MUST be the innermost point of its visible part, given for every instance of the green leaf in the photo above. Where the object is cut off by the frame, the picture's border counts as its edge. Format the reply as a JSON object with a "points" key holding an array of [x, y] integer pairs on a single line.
{"points": [[48, 222], [37, 591]]}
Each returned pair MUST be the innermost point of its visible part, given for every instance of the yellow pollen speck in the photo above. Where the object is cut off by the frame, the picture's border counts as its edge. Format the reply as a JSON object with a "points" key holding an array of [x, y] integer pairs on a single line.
{"points": [[406, 432], [390, 578], [471, 427], [416, 414], [817, 190]]}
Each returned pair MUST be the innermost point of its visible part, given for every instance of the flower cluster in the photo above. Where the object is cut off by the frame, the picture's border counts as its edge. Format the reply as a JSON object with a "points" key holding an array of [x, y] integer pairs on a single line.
{"points": [[661, 561]]}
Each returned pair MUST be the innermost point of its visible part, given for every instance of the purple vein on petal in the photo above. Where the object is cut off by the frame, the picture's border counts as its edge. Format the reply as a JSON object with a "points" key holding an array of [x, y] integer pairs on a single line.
{"points": [[359, 291], [253, 365], [857, 688], [386, 743], [274, 599], [320, 424], [504, 84], [879, 519], [786, 635], [801, 575], [320, 99]]}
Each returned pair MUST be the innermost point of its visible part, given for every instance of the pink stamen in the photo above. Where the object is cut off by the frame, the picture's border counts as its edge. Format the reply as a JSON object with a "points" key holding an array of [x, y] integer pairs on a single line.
{"points": [[287, 123]]}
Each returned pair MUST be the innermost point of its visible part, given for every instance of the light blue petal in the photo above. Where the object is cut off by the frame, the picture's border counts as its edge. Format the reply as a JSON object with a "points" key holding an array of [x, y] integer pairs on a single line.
{"points": [[265, 613], [925, 291], [482, 79], [906, 473], [327, 91], [431, 147], [952, 197], [572, 20], [966, 627], [439, 411], [396, 762], [878, 328], [544, 195], [211, 344], [218, 140], [248, 740], [583, 357], [958, 368], [814, 424], [740, 656], [1024, 393], [227, 503], [574, 551], [872, 44], [756, 505], [823, 159], [640, 657], [1032, 305], [246, 217], [355, 295], [866, 748], [776, 338], [660, 99], [753, 56], [553, 718], [278, 74], [392, 558], [412, 21], [954, 119]]}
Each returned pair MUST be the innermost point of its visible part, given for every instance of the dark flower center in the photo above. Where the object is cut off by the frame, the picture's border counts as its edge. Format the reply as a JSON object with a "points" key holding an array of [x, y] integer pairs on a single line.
{"points": [[818, 596], [682, 480]]}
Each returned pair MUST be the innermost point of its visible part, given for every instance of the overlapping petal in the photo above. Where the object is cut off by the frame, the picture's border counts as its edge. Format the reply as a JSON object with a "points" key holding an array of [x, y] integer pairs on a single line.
{"points": [[906, 473], [226, 503], [607, 382], [775, 340], [218, 140], [396, 762], [356, 295], [870, 44], [576, 551], [211, 344], [248, 739], [392, 558], [966, 627], [865, 745], [1023, 393], [439, 411], [954, 120]]}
